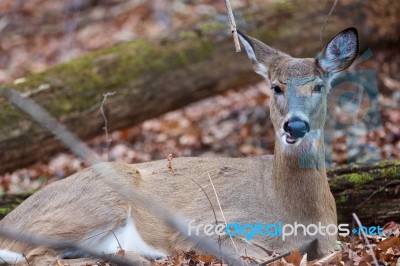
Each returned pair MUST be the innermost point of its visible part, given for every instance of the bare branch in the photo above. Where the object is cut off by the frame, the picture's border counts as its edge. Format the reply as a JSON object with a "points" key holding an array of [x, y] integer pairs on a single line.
{"points": [[41, 116], [233, 25], [173, 219], [365, 239], [222, 213], [326, 21], [211, 205], [274, 259], [90, 237], [108, 140], [394, 182], [81, 149]]}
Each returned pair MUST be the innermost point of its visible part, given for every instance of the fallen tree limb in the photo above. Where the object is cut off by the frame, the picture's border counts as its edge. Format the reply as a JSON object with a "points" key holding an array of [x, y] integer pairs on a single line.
{"points": [[151, 77]]}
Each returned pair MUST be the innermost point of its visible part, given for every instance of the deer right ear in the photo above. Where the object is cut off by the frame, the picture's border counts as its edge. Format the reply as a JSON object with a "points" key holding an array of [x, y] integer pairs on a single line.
{"points": [[251, 47], [340, 51]]}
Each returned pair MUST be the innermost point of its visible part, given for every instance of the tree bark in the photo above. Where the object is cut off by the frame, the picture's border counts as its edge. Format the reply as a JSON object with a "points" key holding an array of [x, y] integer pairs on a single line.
{"points": [[151, 77], [371, 191]]}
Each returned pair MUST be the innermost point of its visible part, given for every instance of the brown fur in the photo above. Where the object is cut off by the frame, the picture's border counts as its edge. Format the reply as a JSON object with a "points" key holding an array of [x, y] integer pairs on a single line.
{"points": [[268, 189]]}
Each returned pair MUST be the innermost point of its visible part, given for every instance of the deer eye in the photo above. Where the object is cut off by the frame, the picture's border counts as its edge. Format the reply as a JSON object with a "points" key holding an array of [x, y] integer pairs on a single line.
{"points": [[318, 88], [276, 89]]}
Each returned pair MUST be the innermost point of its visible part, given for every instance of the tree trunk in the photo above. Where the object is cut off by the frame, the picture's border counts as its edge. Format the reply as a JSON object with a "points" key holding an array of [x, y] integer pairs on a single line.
{"points": [[371, 191], [151, 77]]}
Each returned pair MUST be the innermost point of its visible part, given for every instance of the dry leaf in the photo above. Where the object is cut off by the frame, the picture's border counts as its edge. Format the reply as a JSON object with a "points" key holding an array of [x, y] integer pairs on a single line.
{"points": [[294, 258], [206, 258], [389, 242], [390, 228]]}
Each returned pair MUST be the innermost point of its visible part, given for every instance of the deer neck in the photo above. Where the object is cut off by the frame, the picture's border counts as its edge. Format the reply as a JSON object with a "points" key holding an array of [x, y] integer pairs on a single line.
{"points": [[299, 180]]}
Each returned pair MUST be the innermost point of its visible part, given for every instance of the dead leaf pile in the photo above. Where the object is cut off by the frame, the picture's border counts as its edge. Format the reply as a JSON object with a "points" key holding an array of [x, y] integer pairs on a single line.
{"points": [[354, 252]]}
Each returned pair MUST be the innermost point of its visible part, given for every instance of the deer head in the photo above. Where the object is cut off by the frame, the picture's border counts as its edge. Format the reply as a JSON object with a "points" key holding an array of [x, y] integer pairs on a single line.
{"points": [[300, 86]]}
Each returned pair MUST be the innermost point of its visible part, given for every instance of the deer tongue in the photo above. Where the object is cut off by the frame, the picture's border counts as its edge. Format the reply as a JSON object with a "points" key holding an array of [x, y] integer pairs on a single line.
{"points": [[290, 139]]}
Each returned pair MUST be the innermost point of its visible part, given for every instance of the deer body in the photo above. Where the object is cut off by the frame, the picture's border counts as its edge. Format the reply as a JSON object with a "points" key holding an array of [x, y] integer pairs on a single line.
{"points": [[289, 187]]}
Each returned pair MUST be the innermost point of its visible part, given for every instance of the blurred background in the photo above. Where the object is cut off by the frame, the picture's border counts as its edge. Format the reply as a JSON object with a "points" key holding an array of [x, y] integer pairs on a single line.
{"points": [[38, 34]]}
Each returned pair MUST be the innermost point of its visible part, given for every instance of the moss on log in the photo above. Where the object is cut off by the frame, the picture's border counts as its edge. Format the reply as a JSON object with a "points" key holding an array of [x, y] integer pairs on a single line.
{"points": [[372, 191], [152, 77]]}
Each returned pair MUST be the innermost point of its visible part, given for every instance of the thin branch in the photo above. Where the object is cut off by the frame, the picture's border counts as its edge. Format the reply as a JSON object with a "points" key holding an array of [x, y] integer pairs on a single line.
{"points": [[365, 239], [326, 21], [105, 128], [212, 208], [222, 213], [394, 182], [275, 259], [40, 115], [27, 261], [90, 237], [173, 219], [233, 25], [208, 198]]}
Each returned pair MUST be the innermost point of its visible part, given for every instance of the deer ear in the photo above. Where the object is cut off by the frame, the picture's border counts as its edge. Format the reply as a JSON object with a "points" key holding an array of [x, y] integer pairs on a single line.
{"points": [[254, 52], [340, 51]]}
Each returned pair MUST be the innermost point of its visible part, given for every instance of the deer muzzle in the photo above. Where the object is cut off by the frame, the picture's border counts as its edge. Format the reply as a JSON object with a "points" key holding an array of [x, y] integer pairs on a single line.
{"points": [[295, 128]]}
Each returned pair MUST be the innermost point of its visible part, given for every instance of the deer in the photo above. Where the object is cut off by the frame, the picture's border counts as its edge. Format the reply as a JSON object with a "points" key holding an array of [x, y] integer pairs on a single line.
{"points": [[290, 186]]}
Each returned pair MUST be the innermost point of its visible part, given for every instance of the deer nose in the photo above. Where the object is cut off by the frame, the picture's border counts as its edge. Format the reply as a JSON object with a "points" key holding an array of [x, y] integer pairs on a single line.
{"points": [[296, 127]]}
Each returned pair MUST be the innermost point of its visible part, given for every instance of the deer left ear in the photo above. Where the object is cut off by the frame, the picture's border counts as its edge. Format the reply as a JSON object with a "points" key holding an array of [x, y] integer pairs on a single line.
{"points": [[340, 52], [261, 55], [249, 44]]}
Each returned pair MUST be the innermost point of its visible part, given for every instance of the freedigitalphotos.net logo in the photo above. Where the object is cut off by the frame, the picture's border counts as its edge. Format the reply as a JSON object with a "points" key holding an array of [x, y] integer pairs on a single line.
{"points": [[279, 229], [354, 112]]}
